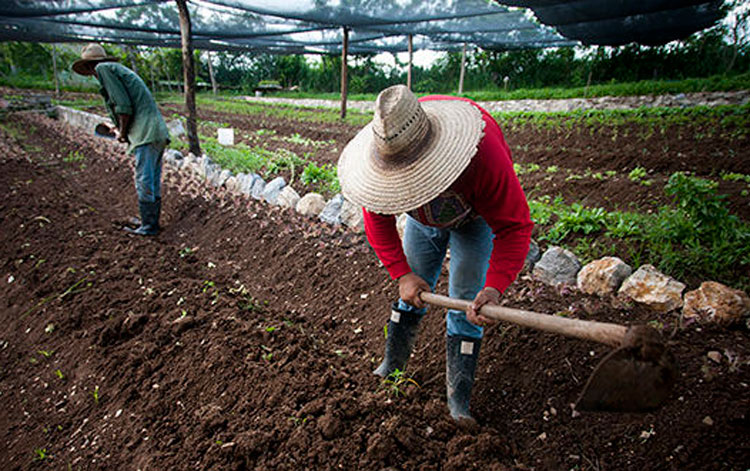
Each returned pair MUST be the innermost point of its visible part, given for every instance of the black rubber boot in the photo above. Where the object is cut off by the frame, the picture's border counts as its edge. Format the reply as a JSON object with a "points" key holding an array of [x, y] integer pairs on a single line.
{"points": [[402, 332], [158, 213], [461, 358], [136, 221], [149, 218]]}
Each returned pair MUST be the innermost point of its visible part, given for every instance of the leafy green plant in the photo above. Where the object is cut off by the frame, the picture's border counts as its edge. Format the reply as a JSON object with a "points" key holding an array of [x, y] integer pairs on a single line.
{"points": [[95, 393], [46, 353], [576, 219], [284, 160], [395, 382], [41, 454], [59, 374], [637, 174], [324, 175]]}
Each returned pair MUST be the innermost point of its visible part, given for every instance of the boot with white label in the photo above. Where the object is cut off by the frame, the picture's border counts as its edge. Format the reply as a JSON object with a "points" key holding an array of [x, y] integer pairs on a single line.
{"points": [[402, 332], [461, 358]]}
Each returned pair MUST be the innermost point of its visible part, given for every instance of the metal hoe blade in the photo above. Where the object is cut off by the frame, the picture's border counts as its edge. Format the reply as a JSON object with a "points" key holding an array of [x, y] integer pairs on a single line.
{"points": [[637, 377]]}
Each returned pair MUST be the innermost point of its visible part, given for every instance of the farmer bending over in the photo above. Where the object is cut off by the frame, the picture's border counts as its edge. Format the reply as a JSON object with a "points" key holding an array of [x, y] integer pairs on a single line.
{"points": [[138, 122], [443, 161]]}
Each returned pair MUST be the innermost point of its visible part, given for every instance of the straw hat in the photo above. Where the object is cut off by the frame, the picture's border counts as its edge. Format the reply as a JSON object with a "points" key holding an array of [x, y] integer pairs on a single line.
{"points": [[410, 152], [91, 53]]}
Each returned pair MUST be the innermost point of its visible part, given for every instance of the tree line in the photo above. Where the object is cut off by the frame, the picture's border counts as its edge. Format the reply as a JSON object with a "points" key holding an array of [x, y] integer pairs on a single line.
{"points": [[710, 53]]}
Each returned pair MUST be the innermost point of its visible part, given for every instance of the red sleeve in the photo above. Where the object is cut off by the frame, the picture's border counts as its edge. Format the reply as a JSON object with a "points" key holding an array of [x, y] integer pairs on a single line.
{"points": [[383, 237], [491, 187]]}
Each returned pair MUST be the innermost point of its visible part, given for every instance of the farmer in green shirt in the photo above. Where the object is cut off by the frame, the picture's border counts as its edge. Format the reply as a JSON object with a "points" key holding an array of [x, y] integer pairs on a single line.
{"points": [[138, 123]]}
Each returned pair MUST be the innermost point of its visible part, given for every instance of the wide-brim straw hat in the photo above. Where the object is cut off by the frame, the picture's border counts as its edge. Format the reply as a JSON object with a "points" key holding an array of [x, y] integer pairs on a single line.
{"points": [[91, 53], [410, 153]]}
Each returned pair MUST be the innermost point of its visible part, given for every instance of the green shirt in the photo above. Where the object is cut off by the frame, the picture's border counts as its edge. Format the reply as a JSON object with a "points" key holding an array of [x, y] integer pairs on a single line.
{"points": [[125, 93]]}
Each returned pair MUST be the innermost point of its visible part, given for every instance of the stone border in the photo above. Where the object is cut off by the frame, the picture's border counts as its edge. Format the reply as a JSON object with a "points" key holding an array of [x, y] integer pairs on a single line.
{"points": [[712, 301]]}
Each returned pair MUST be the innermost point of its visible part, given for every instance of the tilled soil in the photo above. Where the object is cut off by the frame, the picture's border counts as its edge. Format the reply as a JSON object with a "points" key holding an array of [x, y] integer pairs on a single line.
{"points": [[243, 337], [580, 157]]}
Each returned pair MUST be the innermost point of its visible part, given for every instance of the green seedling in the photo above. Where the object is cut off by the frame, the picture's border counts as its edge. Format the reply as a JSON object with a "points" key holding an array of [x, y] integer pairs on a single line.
{"points": [[185, 251], [385, 331], [270, 329], [41, 454], [267, 355], [207, 285], [395, 382], [49, 329], [250, 304], [95, 393], [59, 374], [637, 174], [45, 353], [297, 421]]}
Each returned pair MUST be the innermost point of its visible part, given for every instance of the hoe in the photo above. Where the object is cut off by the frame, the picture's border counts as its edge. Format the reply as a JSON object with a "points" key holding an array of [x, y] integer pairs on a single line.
{"points": [[637, 376]]}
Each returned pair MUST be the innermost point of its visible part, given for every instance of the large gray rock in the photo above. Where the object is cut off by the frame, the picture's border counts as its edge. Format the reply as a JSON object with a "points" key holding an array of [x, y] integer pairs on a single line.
{"points": [[331, 213], [557, 266], [650, 287], [175, 128], [232, 184], [288, 197], [604, 276], [247, 182], [715, 302], [273, 189], [207, 167], [351, 216], [311, 204], [533, 256], [256, 191], [219, 177], [174, 157]]}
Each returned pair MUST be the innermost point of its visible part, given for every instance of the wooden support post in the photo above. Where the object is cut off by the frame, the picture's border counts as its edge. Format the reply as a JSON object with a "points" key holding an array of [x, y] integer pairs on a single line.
{"points": [[463, 69], [211, 73], [344, 70], [411, 56], [131, 57], [188, 68], [54, 70]]}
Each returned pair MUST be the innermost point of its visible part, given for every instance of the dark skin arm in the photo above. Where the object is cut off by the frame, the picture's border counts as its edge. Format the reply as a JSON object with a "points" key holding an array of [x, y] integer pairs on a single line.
{"points": [[124, 127]]}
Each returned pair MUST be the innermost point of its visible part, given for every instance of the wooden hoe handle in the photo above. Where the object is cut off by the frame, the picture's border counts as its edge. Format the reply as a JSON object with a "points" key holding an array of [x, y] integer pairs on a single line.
{"points": [[602, 332]]}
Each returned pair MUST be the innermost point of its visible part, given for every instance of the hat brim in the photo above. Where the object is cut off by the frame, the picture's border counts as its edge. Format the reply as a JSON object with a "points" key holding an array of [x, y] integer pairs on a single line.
{"points": [[79, 65], [456, 129]]}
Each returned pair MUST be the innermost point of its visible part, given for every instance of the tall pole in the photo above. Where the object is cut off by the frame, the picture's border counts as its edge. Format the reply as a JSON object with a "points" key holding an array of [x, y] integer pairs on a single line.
{"points": [[344, 70], [211, 73], [411, 55], [461, 75], [54, 70], [188, 68]]}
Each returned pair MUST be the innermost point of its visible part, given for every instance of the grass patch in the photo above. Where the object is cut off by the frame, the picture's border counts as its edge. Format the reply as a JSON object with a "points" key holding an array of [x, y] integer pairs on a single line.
{"points": [[645, 87], [732, 121]]}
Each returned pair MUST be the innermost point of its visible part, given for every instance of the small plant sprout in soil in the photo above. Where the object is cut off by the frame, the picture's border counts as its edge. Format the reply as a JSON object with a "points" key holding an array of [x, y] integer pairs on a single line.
{"points": [[396, 383]]}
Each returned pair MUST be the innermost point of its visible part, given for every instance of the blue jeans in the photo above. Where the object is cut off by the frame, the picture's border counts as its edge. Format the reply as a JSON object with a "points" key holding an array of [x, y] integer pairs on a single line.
{"points": [[148, 171], [471, 246]]}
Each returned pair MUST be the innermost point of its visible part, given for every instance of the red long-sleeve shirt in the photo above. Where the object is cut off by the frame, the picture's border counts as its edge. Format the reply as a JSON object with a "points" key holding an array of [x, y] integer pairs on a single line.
{"points": [[490, 186]]}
